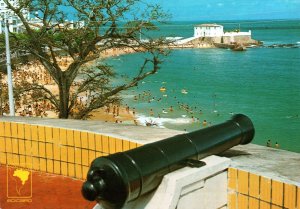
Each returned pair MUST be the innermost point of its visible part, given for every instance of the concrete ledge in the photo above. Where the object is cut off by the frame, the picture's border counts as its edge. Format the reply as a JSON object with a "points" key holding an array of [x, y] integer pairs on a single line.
{"points": [[273, 163], [138, 134]]}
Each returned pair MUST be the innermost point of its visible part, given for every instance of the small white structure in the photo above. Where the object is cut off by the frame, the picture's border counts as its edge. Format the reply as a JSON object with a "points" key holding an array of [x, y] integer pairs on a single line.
{"points": [[208, 30]]}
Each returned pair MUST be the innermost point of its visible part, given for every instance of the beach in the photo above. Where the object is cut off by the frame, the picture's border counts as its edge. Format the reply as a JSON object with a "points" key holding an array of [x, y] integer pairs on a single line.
{"points": [[34, 72]]}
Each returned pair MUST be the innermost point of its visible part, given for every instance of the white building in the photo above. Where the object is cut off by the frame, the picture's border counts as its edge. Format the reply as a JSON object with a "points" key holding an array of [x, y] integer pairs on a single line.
{"points": [[14, 22], [208, 30]]}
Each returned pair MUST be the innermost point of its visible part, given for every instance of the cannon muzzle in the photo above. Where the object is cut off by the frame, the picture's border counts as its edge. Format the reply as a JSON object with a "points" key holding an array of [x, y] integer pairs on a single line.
{"points": [[116, 179]]}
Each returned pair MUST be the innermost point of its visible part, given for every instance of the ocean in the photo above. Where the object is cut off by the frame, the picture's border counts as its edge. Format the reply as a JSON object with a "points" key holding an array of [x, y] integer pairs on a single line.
{"points": [[213, 84]]}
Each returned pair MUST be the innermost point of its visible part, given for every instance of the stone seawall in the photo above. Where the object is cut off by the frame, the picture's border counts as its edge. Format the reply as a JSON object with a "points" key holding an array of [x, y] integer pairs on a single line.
{"points": [[214, 42]]}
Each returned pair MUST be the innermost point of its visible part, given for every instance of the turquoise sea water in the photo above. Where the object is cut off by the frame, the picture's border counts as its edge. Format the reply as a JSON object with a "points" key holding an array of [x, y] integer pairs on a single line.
{"points": [[263, 83]]}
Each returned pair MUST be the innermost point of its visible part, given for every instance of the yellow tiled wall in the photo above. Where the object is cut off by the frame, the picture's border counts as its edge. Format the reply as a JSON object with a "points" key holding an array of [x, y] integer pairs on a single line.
{"points": [[250, 191], [55, 150]]}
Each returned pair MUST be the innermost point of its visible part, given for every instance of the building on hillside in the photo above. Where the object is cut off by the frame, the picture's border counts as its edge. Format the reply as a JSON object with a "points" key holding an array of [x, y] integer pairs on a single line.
{"points": [[15, 24]]}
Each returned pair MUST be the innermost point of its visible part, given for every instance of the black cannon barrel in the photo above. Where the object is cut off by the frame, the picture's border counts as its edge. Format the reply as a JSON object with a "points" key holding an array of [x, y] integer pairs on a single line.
{"points": [[116, 179]]}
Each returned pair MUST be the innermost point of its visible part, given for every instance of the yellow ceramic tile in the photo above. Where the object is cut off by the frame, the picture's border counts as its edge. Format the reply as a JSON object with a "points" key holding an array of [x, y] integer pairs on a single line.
{"points": [[14, 130], [105, 144], [28, 147], [16, 160], [2, 131], [15, 145], [70, 138], [254, 185], [35, 163], [48, 134], [243, 182], [23, 161], [63, 136], [43, 165], [112, 145], [99, 154], [49, 151], [132, 145], [91, 141], [56, 152], [265, 189], [9, 159], [85, 170], [84, 140], [21, 147], [35, 148], [277, 193], [242, 201], [85, 157], [98, 142], [77, 139], [298, 198], [27, 131], [275, 207], [232, 178], [34, 133], [20, 131], [29, 162], [71, 170], [49, 166], [42, 135], [2, 144], [253, 203], [92, 156], [55, 135], [78, 171], [264, 205], [232, 200], [7, 129], [8, 143], [63, 153], [56, 168], [78, 156], [71, 154], [64, 169], [2, 158], [119, 145], [42, 149]]}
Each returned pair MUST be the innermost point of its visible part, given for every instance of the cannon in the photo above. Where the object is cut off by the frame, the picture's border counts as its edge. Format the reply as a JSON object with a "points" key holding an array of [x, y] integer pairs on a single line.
{"points": [[122, 177]]}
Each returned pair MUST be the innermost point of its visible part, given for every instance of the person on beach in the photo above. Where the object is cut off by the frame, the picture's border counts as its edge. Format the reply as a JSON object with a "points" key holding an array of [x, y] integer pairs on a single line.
{"points": [[276, 145], [204, 123], [269, 143]]}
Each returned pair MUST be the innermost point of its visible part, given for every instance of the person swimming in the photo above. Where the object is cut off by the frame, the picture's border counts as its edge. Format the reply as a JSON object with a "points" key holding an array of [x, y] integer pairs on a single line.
{"points": [[269, 143]]}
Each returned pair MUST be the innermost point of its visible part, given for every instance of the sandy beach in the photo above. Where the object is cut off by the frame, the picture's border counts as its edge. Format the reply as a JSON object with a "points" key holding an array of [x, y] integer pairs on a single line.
{"points": [[34, 71]]}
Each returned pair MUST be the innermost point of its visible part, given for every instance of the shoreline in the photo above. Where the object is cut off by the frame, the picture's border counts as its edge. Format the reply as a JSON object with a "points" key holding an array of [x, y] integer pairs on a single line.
{"points": [[34, 71]]}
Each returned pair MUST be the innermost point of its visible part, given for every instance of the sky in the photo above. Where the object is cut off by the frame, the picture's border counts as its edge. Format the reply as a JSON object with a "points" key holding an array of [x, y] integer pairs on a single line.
{"points": [[230, 9]]}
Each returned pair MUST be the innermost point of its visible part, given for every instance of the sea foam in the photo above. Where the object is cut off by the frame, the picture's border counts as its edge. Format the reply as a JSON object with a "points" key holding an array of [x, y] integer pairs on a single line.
{"points": [[160, 122]]}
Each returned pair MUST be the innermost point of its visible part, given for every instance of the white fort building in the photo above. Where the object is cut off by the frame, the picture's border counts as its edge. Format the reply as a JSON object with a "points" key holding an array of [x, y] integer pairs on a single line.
{"points": [[214, 30], [212, 35]]}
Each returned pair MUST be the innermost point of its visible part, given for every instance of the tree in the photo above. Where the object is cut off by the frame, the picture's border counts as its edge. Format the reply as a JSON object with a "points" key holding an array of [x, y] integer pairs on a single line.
{"points": [[102, 25]]}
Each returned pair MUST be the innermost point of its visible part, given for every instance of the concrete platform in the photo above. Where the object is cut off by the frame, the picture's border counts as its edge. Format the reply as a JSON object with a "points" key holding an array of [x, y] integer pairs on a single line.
{"points": [[139, 134], [265, 161], [273, 163]]}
